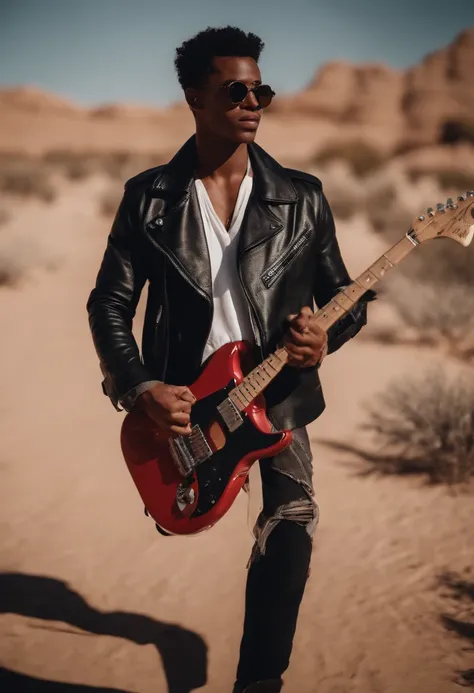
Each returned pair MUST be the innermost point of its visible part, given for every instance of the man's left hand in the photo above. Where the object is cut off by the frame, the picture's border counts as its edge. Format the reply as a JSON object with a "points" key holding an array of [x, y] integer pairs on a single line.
{"points": [[305, 342]]}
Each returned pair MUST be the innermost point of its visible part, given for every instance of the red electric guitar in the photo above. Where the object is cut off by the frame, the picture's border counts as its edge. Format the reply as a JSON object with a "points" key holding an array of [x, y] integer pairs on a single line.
{"points": [[188, 483]]}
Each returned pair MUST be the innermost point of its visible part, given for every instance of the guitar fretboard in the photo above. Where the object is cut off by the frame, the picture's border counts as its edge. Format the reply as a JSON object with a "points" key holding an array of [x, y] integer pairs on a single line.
{"points": [[257, 380], [260, 377]]}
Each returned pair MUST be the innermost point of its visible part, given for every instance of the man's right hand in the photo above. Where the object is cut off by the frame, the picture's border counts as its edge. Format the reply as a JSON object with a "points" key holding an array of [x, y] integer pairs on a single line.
{"points": [[169, 406]]}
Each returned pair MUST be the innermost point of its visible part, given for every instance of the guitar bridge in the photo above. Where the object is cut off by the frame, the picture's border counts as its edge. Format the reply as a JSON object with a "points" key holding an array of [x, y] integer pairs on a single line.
{"points": [[189, 451], [230, 414]]}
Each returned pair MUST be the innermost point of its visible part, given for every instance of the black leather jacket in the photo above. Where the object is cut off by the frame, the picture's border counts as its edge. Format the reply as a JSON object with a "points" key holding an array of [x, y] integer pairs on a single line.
{"points": [[288, 255]]}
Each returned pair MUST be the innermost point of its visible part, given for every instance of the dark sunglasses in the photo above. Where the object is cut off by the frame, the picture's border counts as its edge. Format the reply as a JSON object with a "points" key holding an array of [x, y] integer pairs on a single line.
{"points": [[238, 91]]}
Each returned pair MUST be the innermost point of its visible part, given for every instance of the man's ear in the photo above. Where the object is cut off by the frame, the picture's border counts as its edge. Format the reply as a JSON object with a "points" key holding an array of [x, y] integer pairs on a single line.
{"points": [[192, 98]]}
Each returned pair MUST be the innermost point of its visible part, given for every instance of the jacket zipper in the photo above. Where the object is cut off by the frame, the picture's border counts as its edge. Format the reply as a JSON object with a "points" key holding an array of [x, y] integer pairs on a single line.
{"points": [[270, 276]]}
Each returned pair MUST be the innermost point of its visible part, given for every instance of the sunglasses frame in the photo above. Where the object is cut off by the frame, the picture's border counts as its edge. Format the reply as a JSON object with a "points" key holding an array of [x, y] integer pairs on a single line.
{"points": [[249, 89]]}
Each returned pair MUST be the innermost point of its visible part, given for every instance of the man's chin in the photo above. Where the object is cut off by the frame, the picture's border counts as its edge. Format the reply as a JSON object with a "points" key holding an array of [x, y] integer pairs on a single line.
{"points": [[245, 136]]}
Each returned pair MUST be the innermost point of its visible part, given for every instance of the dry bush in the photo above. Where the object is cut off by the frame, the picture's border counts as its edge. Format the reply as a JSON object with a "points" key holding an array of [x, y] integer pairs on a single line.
{"points": [[442, 261], [362, 157], [385, 210], [392, 202], [451, 181], [118, 165], [456, 181], [345, 192], [387, 197], [73, 165], [20, 252], [426, 425], [25, 176], [441, 315]]}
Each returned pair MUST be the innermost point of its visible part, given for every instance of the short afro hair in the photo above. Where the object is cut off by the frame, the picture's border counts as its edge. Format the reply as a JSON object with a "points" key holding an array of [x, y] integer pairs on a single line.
{"points": [[194, 57]]}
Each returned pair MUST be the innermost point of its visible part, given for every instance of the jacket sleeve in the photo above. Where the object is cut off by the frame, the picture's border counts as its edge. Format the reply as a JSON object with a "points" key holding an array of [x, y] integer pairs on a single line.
{"points": [[331, 277], [112, 304]]}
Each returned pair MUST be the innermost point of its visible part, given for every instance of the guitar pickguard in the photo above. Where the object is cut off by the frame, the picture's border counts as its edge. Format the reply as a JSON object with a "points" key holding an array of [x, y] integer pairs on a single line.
{"points": [[214, 474]]}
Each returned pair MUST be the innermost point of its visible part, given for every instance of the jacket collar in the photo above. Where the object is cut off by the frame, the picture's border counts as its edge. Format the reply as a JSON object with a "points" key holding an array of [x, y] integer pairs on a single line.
{"points": [[272, 183]]}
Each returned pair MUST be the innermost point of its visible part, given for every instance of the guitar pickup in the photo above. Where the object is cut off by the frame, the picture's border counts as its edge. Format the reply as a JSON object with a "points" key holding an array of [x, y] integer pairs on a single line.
{"points": [[230, 415]]}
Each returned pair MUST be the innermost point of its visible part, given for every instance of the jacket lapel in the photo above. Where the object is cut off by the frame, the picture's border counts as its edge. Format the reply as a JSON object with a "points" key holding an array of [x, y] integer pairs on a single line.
{"points": [[265, 215], [173, 220]]}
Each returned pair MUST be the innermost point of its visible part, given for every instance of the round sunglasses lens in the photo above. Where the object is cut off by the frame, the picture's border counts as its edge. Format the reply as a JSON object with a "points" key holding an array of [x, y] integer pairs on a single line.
{"points": [[264, 95], [237, 92]]}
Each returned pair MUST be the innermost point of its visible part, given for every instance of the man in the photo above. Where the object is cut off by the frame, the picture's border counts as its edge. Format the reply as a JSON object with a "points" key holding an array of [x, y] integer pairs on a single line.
{"points": [[234, 246]]}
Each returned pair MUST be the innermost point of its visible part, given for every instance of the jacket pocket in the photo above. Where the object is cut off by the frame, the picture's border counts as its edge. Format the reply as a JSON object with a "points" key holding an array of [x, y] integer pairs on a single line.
{"points": [[272, 274]]}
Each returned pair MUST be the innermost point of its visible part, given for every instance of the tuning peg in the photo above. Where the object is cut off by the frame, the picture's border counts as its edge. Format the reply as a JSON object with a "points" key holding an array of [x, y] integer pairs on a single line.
{"points": [[430, 211], [470, 193], [450, 203], [421, 217], [440, 207], [461, 198]]}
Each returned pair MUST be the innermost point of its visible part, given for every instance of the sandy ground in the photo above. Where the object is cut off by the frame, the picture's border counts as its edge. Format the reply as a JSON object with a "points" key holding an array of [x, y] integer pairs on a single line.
{"points": [[92, 595]]}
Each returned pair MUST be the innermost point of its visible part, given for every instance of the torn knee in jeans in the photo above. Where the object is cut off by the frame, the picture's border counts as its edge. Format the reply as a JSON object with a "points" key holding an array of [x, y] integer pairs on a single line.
{"points": [[303, 511]]}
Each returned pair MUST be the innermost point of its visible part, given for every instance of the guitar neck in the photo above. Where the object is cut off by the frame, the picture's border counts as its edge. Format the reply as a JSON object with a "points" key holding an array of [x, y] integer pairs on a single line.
{"points": [[260, 377]]}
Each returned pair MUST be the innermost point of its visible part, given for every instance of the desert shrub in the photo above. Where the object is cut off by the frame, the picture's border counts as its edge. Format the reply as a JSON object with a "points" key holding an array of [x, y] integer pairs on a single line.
{"points": [[344, 192], [362, 157], [454, 180], [450, 180], [118, 165], [442, 261], [73, 165], [440, 314], [426, 425], [386, 212], [426, 305], [392, 202], [21, 252], [26, 177]]}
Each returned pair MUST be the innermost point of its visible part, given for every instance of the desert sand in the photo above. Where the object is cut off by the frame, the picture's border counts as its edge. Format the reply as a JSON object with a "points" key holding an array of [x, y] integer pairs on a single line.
{"points": [[93, 596]]}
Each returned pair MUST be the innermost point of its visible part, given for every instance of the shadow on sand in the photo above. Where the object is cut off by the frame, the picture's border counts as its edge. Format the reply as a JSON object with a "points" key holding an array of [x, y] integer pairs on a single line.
{"points": [[462, 591], [13, 682], [374, 463], [183, 652]]}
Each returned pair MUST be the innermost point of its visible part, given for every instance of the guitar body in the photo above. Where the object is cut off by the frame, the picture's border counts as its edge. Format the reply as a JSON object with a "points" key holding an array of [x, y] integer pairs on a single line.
{"points": [[192, 502]]}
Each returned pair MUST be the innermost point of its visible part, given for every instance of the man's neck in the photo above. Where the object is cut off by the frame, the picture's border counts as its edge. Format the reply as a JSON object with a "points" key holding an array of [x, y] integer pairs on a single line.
{"points": [[219, 159]]}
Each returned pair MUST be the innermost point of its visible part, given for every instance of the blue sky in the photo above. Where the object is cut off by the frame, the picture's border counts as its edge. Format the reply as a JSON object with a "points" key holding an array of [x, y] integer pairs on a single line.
{"points": [[96, 51]]}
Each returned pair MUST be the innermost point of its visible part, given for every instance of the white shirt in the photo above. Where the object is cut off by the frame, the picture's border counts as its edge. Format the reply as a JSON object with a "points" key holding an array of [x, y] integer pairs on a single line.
{"points": [[231, 319]]}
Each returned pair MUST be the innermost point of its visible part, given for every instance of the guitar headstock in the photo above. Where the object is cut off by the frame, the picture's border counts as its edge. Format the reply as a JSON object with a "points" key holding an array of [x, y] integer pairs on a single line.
{"points": [[451, 220]]}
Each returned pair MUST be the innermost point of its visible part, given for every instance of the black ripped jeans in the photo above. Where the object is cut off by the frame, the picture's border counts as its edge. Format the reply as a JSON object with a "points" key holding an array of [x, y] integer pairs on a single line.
{"points": [[277, 578]]}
